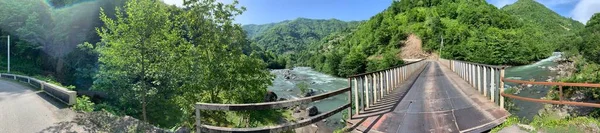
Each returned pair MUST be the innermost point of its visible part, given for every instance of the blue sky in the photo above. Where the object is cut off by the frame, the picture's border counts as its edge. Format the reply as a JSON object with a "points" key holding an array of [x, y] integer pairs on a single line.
{"points": [[269, 11]]}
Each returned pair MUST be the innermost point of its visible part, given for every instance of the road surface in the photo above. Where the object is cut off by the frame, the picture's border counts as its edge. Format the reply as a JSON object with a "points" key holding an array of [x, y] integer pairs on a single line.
{"points": [[24, 110], [436, 101]]}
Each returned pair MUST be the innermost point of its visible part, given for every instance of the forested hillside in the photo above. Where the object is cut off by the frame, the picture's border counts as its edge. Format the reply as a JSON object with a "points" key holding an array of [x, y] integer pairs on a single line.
{"points": [[545, 25], [280, 44], [472, 30]]}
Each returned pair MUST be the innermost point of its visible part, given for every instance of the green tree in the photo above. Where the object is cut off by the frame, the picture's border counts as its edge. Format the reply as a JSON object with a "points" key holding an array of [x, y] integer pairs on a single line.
{"points": [[138, 45]]}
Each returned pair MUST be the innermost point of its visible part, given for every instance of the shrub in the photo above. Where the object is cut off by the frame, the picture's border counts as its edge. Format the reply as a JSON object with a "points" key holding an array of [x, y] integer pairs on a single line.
{"points": [[84, 104]]}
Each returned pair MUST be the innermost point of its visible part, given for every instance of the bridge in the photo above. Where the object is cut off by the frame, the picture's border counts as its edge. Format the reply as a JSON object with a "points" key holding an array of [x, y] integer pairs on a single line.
{"points": [[422, 96]]}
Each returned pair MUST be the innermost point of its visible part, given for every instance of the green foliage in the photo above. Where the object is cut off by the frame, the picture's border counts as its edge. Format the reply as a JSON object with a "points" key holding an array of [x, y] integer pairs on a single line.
{"points": [[509, 122], [545, 26], [353, 63], [591, 37], [303, 86], [551, 123], [84, 104], [291, 42], [206, 64]]}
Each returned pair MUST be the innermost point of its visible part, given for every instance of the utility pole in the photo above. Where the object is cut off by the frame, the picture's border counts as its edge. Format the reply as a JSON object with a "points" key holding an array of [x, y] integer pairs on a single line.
{"points": [[8, 54]]}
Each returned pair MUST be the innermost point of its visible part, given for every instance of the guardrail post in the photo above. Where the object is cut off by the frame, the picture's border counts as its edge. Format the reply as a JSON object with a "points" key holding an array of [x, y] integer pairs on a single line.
{"points": [[493, 86], [485, 81], [501, 87]]}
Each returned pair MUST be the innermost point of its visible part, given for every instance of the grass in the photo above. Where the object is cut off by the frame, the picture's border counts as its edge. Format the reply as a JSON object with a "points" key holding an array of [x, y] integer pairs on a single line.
{"points": [[549, 123], [512, 120]]}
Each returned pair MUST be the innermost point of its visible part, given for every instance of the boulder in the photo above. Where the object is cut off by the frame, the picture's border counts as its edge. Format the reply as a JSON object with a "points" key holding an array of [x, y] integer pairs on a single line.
{"points": [[312, 111], [310, 92], [270, 97], [281, 99], [183, 129]]}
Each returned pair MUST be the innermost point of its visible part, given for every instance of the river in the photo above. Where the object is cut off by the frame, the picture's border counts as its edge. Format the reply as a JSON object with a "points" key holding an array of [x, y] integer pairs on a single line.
{"points": [[286, 88], [538, 71]]}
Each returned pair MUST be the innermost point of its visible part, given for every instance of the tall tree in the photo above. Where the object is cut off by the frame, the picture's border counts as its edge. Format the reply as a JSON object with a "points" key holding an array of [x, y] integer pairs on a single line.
{"points": [[138, 47]]}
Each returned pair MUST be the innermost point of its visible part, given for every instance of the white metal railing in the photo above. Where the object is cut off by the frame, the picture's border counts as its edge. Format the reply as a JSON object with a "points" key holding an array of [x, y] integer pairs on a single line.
{"points": [[369, 88], [485, 78]]}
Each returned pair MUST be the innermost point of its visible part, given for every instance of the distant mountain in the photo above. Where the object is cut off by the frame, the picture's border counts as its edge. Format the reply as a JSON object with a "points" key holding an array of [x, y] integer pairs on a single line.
{"points": [[545, 24], [293, 35]]}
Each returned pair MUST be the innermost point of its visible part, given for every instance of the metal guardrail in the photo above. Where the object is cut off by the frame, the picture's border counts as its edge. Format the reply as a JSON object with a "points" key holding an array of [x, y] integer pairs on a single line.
{"points": [[60, 93], [368, 88], [560, 87], [381, 80], [482, 77]]}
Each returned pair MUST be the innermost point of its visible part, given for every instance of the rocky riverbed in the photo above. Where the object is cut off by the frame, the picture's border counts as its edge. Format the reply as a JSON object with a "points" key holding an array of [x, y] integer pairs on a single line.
{"points": [[285, 85]]}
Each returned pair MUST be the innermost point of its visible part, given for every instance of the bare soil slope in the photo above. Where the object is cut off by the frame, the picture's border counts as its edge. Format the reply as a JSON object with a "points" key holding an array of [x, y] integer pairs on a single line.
{"points": [[412, 48]]}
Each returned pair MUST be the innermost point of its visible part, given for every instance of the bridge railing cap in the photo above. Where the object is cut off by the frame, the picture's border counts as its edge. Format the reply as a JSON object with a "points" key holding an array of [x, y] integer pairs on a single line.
{"points": [[362, 74], [492, 66]]}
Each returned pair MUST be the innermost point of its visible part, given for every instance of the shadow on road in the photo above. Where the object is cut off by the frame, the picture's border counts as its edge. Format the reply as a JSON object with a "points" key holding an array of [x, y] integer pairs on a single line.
{"points": [[51, 100], [100, 121]]}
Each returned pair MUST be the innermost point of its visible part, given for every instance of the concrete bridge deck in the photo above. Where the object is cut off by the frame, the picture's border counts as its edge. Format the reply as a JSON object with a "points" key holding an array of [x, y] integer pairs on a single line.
{"points": [[434, 100]]}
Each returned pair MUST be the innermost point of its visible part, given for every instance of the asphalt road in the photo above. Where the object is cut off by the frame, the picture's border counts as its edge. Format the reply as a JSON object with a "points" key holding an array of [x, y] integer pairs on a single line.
{"points": [[24, 110]]}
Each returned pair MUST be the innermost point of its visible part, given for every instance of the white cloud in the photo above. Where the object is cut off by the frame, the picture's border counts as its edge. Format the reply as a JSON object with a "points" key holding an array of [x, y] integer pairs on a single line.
{"points": [[584, 10], [502, 3]]}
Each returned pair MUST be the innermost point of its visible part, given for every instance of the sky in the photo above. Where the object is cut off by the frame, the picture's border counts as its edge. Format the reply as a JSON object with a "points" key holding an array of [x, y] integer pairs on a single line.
{"points": [[270, 11]]}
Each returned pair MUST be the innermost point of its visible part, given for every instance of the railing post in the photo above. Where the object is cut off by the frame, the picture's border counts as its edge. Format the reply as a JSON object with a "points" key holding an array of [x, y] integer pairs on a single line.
{"points": [[387, 81], [501, 87], [462, 70], [350, 98], [485, 87], [493, 85], [375, 87], [479, 79], [381, 82], [356, 103], [367, 91], [198, 122], [472, 75]]}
